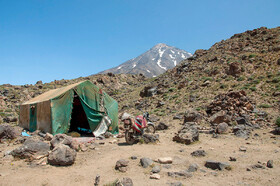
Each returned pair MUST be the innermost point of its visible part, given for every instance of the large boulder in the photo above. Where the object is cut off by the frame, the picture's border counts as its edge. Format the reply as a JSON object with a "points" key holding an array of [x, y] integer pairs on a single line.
{"points": [[220, 117], [222, 128], [146, 162], [192, 116], [121, 165], [62, 155], [63, 139], [31, 148], [7, 132], [148, 91], [187, 134], [150, 138], [234, 69]]}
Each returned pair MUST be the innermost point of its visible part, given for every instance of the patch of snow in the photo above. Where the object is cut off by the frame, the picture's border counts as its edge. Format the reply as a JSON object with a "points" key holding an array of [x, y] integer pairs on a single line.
{"points": [[153, 59], [160, 52], [175, 62], [148, 71], [154, 76], [119, 67], [183, 56], [158, 63], [172, 51], [190, 54], [134, 66], [171, 56]]}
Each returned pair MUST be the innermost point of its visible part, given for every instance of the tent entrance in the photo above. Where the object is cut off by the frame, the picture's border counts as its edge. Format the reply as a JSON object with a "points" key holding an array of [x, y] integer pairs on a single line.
{"points": [[79, 122]]}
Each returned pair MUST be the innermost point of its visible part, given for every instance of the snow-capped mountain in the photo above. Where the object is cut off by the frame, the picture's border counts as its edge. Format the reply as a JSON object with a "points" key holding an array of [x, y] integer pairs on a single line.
{"points": [[153, 62]]}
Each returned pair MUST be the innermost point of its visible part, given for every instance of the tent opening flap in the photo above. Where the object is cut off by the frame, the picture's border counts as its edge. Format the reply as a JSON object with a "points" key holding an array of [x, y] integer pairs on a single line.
{"points": [[79, 122]]}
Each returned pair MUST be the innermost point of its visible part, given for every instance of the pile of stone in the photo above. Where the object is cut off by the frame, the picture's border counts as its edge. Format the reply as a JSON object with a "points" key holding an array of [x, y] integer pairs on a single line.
{"points": [[234, 108]]}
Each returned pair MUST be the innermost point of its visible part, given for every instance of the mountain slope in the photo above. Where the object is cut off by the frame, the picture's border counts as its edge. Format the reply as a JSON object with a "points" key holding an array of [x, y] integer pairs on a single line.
{"points": [[153, 62]]}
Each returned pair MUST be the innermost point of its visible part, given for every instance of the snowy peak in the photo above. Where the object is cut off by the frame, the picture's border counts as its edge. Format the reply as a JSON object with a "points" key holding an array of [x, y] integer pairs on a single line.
{"points": [[152, 63]]}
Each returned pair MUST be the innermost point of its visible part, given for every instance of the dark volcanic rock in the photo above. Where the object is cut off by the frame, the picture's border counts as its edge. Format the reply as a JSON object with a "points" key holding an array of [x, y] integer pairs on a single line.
{"points": [[217, 165], [187, 134], [269, 164], [7, 132], [198, 153], [121, 165], [150, 138], [184, 174], [192, 116], [31, 148], [62, 139], [220, 117], [146, 162], [62, 155], [161, 126], [222, 128]]}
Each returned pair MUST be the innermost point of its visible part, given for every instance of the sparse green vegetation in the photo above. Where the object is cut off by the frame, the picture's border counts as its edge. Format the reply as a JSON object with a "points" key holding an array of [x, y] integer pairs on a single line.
{"points": [[241, 78], [253, 88], [171, 89], [276, 80], [264, 106], [252, 56], [206, 79], [277, 122]]}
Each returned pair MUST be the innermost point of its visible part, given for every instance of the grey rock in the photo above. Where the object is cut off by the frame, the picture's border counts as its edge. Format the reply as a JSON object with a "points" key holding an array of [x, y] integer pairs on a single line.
{"points": [[220, 117], [121, 165], [127, 182], [150, 138], [269, 164], [31, 148], [184, 174], [217, 165], [242, 149], [133, 157], [7, 132], [175, 184], [146, 162], [62, 155], [187, 134], [222, 128], [192, 116], [178, 116], [276, 131], [161, 126], [257, 166], [193, 168], [156, 169], [198, 153], [61, 139]]}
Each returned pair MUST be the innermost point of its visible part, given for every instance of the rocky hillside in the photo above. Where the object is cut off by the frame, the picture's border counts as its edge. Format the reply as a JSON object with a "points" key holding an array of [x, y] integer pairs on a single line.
{"points": [[153, 62], [248, 62]]}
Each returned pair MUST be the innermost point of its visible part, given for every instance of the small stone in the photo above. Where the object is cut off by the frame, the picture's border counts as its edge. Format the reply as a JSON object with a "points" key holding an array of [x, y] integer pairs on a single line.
{"points": [[166, 160], [232, 159], [48, 136], [146, 162], [156, 169], [198, 153], [155, 176], [127, 182], [243, 149], [133, 157], [193, 168], [217, 165], [175, 184], [269, 164]]}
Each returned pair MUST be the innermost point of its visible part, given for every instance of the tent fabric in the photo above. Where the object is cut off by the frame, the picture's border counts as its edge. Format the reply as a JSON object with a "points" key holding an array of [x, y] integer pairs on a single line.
{"points": [[61, 104]]}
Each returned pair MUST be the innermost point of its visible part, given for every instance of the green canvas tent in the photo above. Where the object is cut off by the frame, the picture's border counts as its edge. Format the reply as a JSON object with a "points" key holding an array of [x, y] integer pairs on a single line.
{"points": [[78, 105]]}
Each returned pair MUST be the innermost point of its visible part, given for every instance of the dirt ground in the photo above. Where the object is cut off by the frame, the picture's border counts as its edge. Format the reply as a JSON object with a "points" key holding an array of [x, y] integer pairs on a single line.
{"points": [[102, 159]]}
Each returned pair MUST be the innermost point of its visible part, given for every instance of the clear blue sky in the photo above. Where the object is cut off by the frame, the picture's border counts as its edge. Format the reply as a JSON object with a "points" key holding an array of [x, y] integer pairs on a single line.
{"points": [[64, 39]]}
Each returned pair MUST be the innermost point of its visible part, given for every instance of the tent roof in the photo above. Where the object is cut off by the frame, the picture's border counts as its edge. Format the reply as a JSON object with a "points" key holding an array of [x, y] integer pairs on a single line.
{"points": [[51, 94]]}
